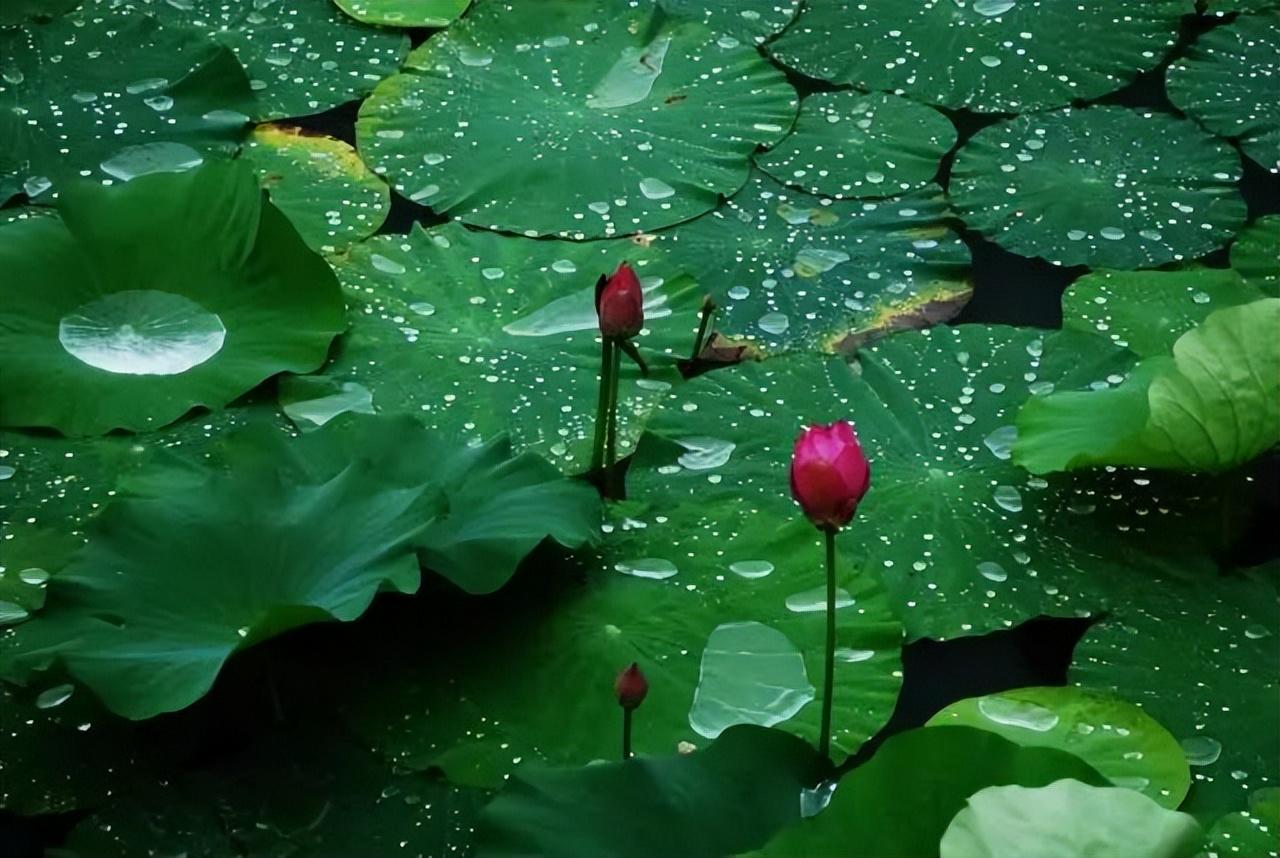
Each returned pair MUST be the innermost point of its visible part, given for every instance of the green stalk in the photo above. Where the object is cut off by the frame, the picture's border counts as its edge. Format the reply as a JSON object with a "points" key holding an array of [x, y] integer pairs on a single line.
{"points": [[829, 673], [602, 404], [626, 733], [704, 320], [611, 434]]}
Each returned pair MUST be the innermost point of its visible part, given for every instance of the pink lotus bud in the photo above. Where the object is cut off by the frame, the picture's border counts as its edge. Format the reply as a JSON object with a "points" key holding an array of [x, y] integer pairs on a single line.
{"points": [[829, 474], [620, 303], [631, 687]]}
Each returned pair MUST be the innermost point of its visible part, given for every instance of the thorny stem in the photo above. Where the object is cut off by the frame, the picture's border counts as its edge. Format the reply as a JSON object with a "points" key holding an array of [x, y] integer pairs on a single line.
{"points": [[829, 674]]}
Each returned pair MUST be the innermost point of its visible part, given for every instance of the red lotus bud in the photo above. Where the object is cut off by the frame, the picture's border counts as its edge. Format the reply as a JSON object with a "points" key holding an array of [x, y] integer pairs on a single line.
{"points": [[620, 303], [631, 687], [829, 474]]}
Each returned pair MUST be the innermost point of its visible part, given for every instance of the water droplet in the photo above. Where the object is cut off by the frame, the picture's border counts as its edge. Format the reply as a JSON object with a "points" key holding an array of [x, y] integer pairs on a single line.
{"points": [[656, 189], [812, 261], [1018, 713], [149, 84], [422, 308], [142, 332], [630, 79], [816, 600], [133, 161], [750, 674], [1008, 498], [1111, 233], [649, 567], [6, 471], [55, 696], [351, 398], [470, 55], [774, 323], [36, 185], [33, 576], [815, 800], [159, 103], [853, 656], [1000, 442], [704, 453], [1200, 297], [564, 266], [11, 613], [1201, 750], [751, 568], [738, 293], [992, 8], [1257, 631], [386, 266], [992, 571], [989, 61]]}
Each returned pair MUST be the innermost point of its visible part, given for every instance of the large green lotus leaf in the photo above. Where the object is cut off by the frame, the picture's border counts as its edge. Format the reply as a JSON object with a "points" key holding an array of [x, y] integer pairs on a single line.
{"points": [[478, 333], [1068, 819], [724, 799], [112, 96], [1226, 82], [1247, 832], [1213, 405], [1118, 739], [898, 804], [966, 541], [793, 271], [717, 602], [988, 55], [321, 185], [851, 144], [302, 56], [1199, 654], [1222, 8], [1147, 311], [749, 20], [580, 118], [338, 515], [19, 11], [1104, 186], [1256, 255], [301, 790], [169, 292], [404, 13]]}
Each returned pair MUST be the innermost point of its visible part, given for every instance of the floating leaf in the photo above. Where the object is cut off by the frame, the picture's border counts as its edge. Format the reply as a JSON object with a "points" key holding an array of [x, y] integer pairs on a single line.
{"points": [[1147, 311], [965, 540], [580, 119], [112, 96], [793, 271], [849, 144], [302, 56], [1198, 653], [899, 803], [169, 292], [404, 13], [347, 507], [988, 55], [1247, 832], [1255, 255], [680, 577], [1213, 405], [479, 334], [748, 20], [1068, 819], [1104, 186], [320, 184], [723, 800], [1225, 83], [1117, 738]]}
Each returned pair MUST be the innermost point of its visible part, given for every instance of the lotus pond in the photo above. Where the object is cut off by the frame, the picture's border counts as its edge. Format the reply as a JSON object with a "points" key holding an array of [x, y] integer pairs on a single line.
{"points": [[381, 381]]}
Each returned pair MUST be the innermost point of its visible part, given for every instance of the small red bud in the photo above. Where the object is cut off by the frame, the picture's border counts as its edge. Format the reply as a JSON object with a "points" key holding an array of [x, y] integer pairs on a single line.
{"points": [[620, 303], [631, 687], [829, 474]]}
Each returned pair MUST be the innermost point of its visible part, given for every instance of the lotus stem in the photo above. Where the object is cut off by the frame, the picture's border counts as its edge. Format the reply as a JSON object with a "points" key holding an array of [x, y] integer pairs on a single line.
{"points": [[829, 672], [611, 423], [602, 404], [626, 732]]}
